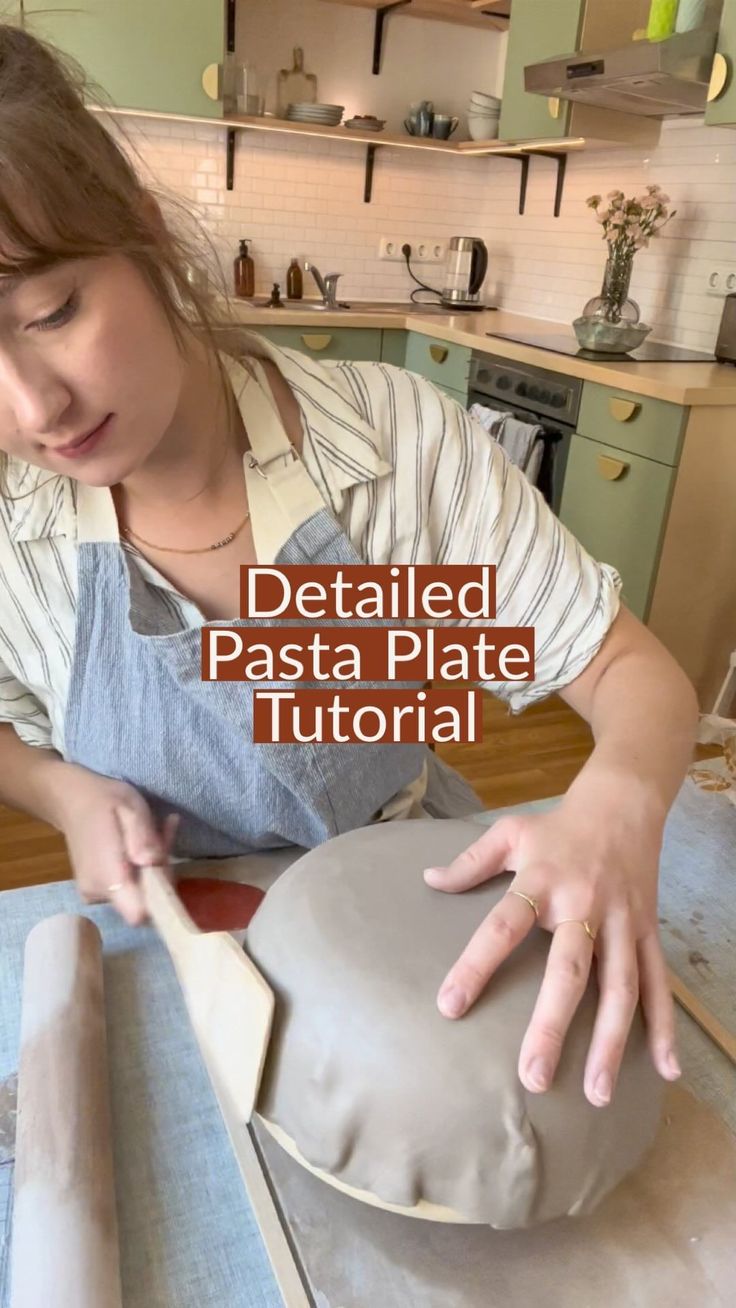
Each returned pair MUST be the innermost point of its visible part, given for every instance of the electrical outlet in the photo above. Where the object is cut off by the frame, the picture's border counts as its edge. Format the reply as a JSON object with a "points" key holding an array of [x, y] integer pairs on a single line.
{"points": [[424, 249], [721, 280]]}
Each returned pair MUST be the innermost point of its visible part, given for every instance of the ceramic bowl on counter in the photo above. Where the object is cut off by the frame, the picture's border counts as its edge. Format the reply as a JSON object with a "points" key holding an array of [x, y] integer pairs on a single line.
{"points": [[603, 337]]}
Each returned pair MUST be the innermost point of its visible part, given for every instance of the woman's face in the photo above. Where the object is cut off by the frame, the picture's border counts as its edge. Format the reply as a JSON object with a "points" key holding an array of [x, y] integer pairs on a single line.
{"points": [[84, 344]]}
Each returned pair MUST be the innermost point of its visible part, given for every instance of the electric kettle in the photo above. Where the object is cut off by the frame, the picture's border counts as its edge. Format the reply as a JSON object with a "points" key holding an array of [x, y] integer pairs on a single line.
{"points": [[467, 265]]}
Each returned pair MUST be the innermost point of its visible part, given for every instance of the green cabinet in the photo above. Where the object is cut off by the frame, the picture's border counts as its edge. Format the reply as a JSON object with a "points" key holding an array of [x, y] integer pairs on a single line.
{"points": [[460, 396], [652, 428], [616, 504], [442, 362], [722, 112], [393, 346], [539, 29], [142, 55], [327, 342]]}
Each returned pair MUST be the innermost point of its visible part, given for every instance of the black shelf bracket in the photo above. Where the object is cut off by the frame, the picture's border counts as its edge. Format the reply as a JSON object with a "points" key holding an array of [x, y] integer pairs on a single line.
{"points": [[381, 16], [230, 164], [370, 159], [522, 159], [561, 160], [230, 48]]}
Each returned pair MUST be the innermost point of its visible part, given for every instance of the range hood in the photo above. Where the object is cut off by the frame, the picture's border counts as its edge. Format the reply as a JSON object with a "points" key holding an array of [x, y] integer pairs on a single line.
{"points": [[650, 78]]}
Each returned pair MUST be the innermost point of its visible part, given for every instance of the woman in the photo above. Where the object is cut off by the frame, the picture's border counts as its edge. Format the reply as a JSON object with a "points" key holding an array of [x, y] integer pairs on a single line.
{"points": [[142, 466]]}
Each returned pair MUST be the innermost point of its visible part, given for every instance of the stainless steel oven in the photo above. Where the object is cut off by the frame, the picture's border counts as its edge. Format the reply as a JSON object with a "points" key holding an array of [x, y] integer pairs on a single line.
{"points": [[549, 399]]}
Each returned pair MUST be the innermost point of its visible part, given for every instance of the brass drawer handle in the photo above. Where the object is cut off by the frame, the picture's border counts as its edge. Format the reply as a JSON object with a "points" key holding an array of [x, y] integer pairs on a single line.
{"points": [[610, 468], [212, 81], [553, 105], [623, 410], [439, 353], [316, 341], [720, 75]]}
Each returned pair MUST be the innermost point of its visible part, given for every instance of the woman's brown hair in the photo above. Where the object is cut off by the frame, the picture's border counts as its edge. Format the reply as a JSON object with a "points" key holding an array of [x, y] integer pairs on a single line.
{"points": [[69, 191]]}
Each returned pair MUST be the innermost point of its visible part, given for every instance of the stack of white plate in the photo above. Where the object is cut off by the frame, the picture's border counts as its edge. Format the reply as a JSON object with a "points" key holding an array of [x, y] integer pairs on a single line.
{"points": [[484, 112], [322, 115]]}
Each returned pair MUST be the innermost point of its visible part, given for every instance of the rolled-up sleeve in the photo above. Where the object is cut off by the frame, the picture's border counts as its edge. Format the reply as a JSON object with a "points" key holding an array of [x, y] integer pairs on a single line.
{"points": [[20, 707], [482, 508]]}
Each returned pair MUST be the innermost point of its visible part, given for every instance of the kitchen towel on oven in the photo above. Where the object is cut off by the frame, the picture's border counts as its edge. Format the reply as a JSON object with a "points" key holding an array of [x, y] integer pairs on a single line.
{"points": [[521, 440]]}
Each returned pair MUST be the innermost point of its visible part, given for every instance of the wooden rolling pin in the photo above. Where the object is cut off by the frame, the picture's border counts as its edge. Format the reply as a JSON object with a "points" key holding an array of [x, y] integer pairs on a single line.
{"points": [[65, 1239]]}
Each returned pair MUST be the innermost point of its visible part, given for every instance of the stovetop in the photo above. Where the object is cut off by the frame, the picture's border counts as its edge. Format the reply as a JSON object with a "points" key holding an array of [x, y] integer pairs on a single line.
{"points": [[649, 352]]}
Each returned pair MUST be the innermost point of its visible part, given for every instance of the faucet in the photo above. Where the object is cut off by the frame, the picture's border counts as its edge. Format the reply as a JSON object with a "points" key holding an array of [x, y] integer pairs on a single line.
{"points": [[327, 286]]}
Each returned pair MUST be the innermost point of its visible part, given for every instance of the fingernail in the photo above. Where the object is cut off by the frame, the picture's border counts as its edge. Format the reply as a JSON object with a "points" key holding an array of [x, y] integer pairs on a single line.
{"points": [[538, 1074], [452, 1001], [672, 1063], [431, 872], [602, 1088]]}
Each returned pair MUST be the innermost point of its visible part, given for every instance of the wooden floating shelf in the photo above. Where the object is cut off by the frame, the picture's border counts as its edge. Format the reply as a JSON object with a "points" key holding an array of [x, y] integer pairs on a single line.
{"points": [[463, 13], [519, 150]]}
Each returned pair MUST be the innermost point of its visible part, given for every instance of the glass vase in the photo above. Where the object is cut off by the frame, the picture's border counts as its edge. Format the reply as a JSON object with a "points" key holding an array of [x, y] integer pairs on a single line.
{"points": [[613, 303]]}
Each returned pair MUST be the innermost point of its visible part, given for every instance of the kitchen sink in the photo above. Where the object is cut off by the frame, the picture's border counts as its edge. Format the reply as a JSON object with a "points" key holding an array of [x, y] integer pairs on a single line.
{"points": [[353, 306]]}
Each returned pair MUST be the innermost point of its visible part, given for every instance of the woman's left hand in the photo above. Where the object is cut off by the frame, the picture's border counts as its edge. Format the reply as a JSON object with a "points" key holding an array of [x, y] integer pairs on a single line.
{"points": [[579, 865]]}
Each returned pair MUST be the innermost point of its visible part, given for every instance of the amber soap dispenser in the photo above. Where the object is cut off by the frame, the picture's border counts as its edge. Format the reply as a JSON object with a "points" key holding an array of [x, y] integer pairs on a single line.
{"points": [[245, 272]]}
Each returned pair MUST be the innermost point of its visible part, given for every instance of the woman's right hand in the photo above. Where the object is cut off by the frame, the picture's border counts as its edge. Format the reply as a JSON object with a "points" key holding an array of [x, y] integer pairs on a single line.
{"points": [[110, 833]]}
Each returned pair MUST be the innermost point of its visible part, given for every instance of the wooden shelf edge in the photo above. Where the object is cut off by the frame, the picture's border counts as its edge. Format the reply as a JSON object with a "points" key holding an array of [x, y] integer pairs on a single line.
{"points": [[281, 125], [470, 14]]}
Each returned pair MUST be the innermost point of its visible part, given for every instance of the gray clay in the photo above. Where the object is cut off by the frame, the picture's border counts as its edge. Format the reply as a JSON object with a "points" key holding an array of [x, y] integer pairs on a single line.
{"points": [[380, 1091]]}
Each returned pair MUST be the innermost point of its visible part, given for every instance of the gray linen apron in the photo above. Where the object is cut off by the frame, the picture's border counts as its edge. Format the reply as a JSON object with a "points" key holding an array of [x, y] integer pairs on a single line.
{"points": [[139, 711]]}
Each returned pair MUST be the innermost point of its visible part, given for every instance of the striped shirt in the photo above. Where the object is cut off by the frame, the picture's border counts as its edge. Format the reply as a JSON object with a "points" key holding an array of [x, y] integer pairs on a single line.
{"points": [[411, 477]]}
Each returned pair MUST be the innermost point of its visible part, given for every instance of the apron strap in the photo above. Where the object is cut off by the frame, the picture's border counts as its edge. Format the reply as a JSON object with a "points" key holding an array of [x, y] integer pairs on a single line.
{"points": [[281, 493]]}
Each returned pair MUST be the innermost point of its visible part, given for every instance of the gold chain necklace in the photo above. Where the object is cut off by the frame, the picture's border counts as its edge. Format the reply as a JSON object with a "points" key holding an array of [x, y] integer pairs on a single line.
{"points": [[170, 549], [166, 549]]}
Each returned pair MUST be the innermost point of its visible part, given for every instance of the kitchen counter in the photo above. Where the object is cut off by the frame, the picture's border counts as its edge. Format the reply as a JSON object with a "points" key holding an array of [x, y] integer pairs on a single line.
{"points": [[687, 384]]}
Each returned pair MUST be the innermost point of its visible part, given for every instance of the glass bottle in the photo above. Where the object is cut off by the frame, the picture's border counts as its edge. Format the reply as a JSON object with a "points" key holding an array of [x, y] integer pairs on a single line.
{"points": [[294, 281]]}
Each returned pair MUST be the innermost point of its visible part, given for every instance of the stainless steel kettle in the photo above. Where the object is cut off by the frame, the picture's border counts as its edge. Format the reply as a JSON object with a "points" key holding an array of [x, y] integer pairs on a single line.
{"points": [[467, 265], [726, 343]]}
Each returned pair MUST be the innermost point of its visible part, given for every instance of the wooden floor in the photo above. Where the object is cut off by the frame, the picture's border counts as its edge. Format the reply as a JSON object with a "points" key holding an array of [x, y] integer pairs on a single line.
{"points": [[531, 756]]}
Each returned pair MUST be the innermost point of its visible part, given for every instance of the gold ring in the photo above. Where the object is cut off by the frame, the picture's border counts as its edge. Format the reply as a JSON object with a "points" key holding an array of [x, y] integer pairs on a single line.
{"points": [[579, 922], [529, 900], [116, 885]]}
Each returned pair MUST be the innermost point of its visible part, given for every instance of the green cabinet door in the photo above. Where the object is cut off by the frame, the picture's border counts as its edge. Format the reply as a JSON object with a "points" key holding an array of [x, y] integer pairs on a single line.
{"points": [[439, 361], [539, 29], [328, 342], [616, 504], [722, 112], [144, 54], [393, 347]]}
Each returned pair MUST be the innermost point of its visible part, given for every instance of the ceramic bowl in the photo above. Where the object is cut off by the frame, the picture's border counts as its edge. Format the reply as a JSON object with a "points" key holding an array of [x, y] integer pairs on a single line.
{"points": [[484, 129], [609, 337]]}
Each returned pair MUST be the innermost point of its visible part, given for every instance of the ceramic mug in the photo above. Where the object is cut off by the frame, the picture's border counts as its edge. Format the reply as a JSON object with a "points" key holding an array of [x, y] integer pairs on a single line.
{"points": [[419, 120], [443, 126]]}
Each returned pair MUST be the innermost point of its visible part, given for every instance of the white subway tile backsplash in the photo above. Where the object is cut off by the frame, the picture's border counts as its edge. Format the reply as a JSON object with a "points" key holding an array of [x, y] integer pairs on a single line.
{"points": [[305, 197]]}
